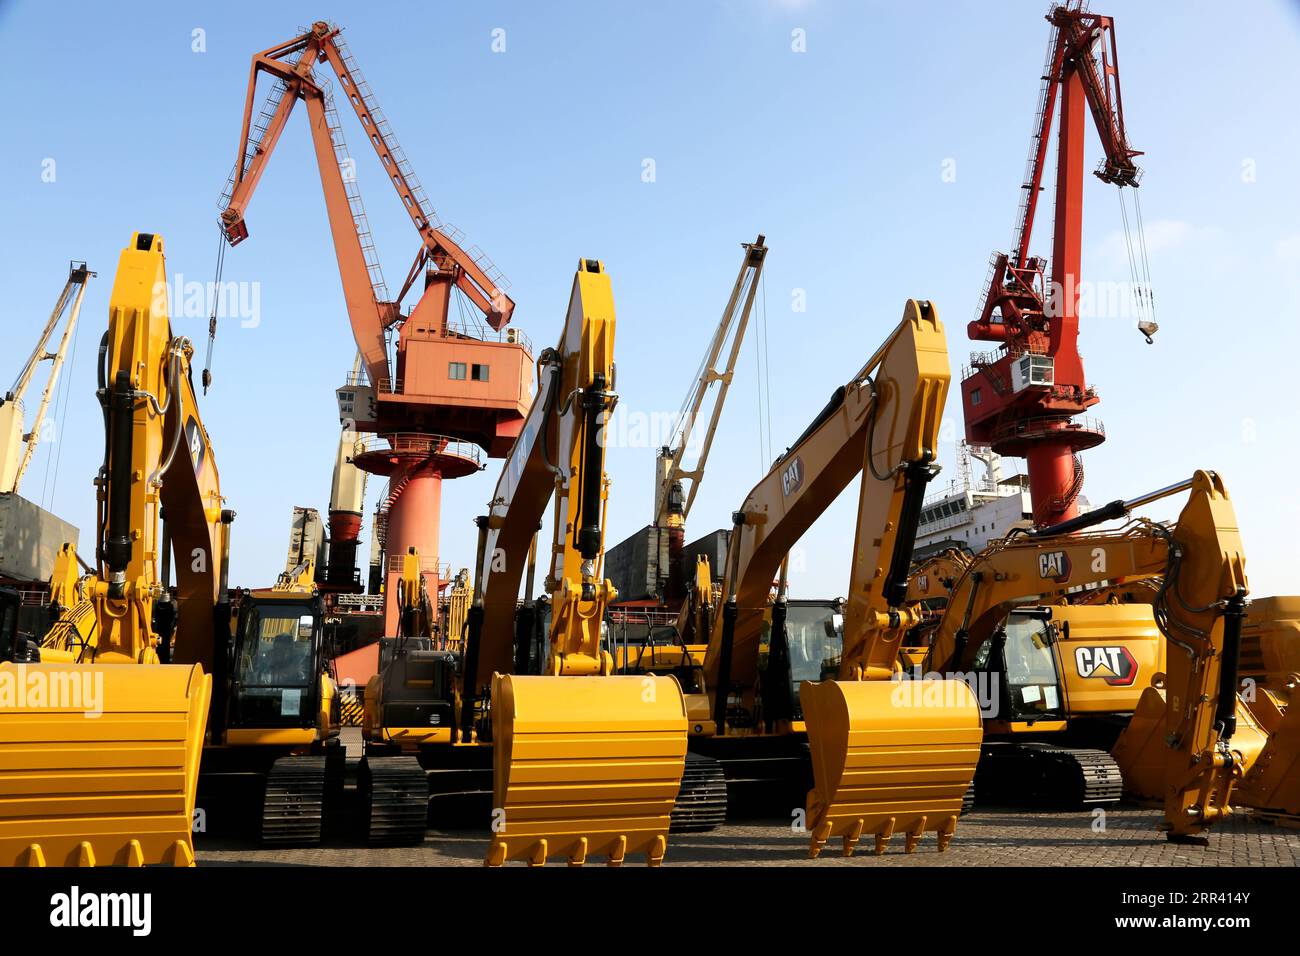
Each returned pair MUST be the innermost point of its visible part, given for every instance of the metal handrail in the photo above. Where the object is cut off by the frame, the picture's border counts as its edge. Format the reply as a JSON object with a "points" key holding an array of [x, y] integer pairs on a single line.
{"points": [[1043, 422], [416, 442]]}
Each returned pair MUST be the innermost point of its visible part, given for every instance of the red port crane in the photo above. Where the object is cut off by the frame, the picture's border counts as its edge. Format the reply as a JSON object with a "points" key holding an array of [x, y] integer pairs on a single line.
{"points": [[1023, 397], [450, 389]]}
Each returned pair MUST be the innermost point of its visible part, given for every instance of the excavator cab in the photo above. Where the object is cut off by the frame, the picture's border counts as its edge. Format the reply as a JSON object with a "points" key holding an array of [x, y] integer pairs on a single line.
{"points": [[1020, 659], [280, 655], [815, 641], [419, 687], [278, 723]]}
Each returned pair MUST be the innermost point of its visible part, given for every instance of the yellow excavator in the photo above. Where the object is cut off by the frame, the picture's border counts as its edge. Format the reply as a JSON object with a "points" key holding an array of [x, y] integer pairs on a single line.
{"points": [[99, 754], [584, 763], [258, 703], [887, 760], [276, 714], [1059, 678], [876, 768], [1184, 741]]}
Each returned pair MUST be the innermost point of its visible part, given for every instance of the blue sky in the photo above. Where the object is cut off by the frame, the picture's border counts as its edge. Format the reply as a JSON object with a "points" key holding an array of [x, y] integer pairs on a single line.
{"points": [[838, 154]]}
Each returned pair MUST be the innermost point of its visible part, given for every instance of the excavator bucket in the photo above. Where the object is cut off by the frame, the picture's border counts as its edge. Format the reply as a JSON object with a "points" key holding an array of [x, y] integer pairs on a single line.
{"points": [[99, 763], [1272, 783], [585, 766], [889, 757], [1143, 753], [1270, 658]]}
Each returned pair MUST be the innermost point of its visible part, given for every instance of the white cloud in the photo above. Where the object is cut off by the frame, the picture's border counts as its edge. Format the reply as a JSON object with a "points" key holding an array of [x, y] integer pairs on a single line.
{"points": [[1162, 235], [1288, 249]]}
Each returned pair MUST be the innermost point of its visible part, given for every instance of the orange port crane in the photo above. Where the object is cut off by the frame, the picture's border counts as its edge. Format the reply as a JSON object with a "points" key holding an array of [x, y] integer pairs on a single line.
{"points": [[450, 390], [1023, 397]]}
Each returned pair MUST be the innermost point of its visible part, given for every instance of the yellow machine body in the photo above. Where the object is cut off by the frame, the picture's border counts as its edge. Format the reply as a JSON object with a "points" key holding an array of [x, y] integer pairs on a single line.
{"points": [[110, 781], [113, 780], [881, 428], [586, 763], [881, 766], [585, 767]]}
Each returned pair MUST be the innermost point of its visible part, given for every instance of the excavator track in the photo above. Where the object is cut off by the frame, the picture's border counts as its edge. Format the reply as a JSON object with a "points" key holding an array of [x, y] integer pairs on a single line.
{"points": [[968, 799], [702, 800], [395, 800], [293, 807], [1049, 776]]}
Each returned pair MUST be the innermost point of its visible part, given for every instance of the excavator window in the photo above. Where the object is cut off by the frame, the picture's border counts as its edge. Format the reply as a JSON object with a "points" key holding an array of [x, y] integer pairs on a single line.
{"points": [[275, 670], [1033, 687], [815, 634]]}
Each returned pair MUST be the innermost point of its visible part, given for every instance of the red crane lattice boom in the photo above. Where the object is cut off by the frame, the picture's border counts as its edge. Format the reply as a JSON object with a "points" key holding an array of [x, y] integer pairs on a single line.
{"points": [[447, 388], [1023, 398]]}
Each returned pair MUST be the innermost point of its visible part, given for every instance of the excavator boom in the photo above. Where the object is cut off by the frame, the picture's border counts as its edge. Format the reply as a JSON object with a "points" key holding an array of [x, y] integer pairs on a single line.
{"points": [[99, 750], [585, 763], [878, 767], [889, 756], [1183, 744]]}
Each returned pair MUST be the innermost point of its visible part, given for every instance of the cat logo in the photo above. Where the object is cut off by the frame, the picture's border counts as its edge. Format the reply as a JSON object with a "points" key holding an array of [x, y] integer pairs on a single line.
{"points": [[194, 439], [1054, 566], [923, 582], [792, 476], [1113, 664]]}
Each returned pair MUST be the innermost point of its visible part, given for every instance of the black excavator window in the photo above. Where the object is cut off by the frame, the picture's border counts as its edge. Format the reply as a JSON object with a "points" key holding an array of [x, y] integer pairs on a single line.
{"points": [[1030, 669], [814, 632], [276, 665]]}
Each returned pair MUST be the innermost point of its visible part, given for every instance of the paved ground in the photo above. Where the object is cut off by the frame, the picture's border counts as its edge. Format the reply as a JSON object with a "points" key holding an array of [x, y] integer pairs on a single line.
{"points": [[984, 838]]}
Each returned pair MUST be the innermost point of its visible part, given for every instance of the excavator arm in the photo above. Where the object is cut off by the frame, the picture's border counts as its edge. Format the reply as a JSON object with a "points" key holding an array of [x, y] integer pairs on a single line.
{"points": [[120, 788], [585, 763], [1187, 721], [882, 426], [1178, 744]]}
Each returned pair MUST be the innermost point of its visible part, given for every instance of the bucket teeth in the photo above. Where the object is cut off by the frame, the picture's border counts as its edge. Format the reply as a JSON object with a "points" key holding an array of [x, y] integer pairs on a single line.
{"points": [[580, 854], [819, 836], [914, 835], [618, 852], [853, 836], [946, 832], [884, 836]]}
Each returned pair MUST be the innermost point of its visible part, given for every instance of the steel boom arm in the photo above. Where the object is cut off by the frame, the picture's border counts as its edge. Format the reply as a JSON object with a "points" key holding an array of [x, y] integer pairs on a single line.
{"points": [[883, 424]]}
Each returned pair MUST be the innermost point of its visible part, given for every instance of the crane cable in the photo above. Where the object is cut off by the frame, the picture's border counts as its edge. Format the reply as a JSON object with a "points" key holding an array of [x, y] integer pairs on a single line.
{"points": [[1139, 262], [216, 301]]}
